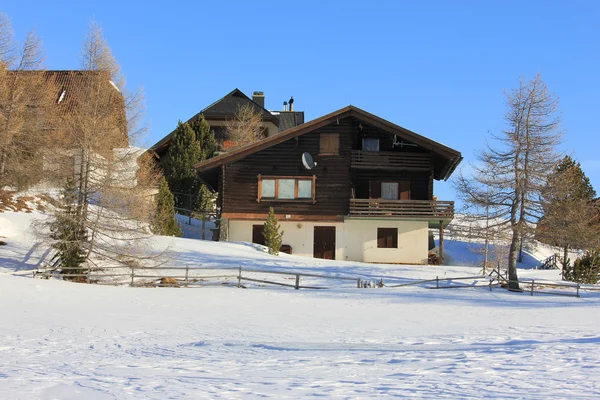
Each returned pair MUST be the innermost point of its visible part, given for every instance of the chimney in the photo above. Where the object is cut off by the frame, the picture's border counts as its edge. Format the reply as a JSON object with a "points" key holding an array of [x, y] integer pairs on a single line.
{"points": [[291, 103], [259, 98], [285, 106]]}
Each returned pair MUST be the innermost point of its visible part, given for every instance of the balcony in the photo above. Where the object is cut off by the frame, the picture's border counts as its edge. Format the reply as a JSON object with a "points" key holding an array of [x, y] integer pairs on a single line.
{"points": [[390, 160], [411, 209]]}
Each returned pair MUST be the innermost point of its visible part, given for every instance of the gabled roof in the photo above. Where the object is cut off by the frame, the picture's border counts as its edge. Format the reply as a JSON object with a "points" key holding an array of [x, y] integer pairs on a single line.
{"points": [[449, 158], [223, 109], [69, 91]]}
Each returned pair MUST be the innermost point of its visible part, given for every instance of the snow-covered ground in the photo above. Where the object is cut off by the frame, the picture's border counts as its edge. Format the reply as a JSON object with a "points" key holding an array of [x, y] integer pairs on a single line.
{"points": [[69, 341]]}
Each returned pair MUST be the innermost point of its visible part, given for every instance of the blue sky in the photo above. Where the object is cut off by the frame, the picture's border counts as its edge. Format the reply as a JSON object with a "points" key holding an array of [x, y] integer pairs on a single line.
{"points": [[438, 68]]}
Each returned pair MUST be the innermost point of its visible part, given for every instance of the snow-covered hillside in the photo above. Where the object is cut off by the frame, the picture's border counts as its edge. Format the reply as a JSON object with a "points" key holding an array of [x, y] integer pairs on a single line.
{"points": [[69, 341]]}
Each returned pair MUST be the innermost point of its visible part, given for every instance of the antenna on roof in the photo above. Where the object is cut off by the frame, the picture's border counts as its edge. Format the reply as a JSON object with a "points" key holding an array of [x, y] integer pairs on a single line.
{"points": [[401, 143], [308, 161]]}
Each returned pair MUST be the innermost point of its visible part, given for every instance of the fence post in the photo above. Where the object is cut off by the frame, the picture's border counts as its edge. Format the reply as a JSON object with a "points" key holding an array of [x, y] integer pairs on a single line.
{"points": [[89, 275], [240, 277], [187, 270], [437, 282], [297, 282], [132, 275], [358, 283], [577, 295], [491, 280], [532, 284]]}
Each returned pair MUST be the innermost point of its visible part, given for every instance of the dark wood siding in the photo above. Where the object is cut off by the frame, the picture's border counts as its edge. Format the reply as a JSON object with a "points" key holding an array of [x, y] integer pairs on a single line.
{"points": [[336, 181], [419, 183], [332, 171]]}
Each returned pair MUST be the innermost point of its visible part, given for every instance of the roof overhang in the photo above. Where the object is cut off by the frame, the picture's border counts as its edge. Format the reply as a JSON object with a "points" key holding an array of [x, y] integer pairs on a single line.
{"points": [[450, 158]]}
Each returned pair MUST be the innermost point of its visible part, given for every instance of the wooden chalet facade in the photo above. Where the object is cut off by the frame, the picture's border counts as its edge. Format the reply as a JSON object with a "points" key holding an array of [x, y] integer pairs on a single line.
{"points": [[369, 197]]}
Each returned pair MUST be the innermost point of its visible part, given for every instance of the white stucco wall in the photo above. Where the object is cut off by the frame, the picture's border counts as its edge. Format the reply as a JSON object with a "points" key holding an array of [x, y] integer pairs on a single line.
{"points": [[298, 234], [361, 241], [356, 240]]}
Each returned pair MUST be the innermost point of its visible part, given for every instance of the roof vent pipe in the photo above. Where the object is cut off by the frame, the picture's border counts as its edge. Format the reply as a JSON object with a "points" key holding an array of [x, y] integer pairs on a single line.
{"points": [[291, 103], [285, 106]]}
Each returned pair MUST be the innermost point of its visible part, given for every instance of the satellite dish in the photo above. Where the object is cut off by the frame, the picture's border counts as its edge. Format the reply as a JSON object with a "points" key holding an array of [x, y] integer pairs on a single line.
{"points": [[307, 161]]}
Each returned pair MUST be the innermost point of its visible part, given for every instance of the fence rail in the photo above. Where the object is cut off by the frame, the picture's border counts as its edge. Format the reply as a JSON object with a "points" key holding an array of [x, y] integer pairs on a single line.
{"points": [[390, 160], [198, 276]]}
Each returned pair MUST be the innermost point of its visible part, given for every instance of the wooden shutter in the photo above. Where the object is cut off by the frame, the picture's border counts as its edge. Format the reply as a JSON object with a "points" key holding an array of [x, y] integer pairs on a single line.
{"points": [[375, 189], [404, 188], [329, 143], [387, 238]]}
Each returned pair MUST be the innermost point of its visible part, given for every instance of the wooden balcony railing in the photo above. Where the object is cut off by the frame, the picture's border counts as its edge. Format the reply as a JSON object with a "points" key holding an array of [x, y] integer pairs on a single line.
{"points": [[390, 160], [425, 209]]}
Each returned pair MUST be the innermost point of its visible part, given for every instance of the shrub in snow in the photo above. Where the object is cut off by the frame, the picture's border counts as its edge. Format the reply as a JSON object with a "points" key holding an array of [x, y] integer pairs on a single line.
{"points": [[164, 221], [273, 237], [69, 233], [585, 269]]}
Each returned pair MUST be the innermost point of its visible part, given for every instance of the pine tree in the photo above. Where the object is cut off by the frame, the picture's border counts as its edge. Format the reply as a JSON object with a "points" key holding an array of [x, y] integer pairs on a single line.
{"points": [[273, 237], [570, 218], [191, 144], [586, 269], [69, 233], [184, 153], [206, 138], [164, 222]]}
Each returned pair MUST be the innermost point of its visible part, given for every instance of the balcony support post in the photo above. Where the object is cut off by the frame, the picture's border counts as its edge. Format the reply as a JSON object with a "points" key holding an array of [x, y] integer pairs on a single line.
{"points": [[441, 247]]}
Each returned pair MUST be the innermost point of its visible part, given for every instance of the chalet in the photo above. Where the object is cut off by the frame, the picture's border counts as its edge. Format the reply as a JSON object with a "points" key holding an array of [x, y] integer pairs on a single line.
{"points": [[223, 110], [65, 94], [347, 186], [59, 108]]}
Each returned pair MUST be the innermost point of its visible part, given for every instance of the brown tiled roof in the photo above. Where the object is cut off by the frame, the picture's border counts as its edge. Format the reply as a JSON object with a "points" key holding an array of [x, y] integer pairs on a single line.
{"points": [[66, 86], [67, 89]]}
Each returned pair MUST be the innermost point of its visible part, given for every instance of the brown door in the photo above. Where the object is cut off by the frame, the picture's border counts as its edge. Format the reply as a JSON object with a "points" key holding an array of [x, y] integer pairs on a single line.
{"points": [[257, 234], [324, 243]]}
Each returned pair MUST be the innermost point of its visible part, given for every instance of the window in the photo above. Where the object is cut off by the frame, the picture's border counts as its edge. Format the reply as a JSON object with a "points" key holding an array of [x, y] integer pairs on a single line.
{"points": [[268, 188], [387, 238], [304, 189], [370, 144], [330, 144], [389, 190], [286, 188]]}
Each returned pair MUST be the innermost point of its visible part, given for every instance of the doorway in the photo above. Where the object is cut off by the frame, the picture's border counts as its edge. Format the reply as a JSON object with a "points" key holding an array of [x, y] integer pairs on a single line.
{"points": [[324, 242]]}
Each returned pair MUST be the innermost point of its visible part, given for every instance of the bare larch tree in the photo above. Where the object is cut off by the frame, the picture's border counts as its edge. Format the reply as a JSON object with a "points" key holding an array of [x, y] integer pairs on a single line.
{"points": [[245, 128], [114, 202], [515, 168], [25, 108]]}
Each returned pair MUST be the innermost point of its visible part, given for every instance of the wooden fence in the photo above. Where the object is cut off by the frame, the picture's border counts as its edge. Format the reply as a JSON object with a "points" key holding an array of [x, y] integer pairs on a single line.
{"points": [[205, 276]]}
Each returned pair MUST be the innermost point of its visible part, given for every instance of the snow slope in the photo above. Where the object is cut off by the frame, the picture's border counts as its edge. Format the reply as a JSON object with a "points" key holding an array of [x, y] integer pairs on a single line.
{"points": [[69, 341]]}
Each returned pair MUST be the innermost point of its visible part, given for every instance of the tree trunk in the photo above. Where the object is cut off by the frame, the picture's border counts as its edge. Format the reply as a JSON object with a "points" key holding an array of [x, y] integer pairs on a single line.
{"points": [[520, 258], [513, 279]]}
